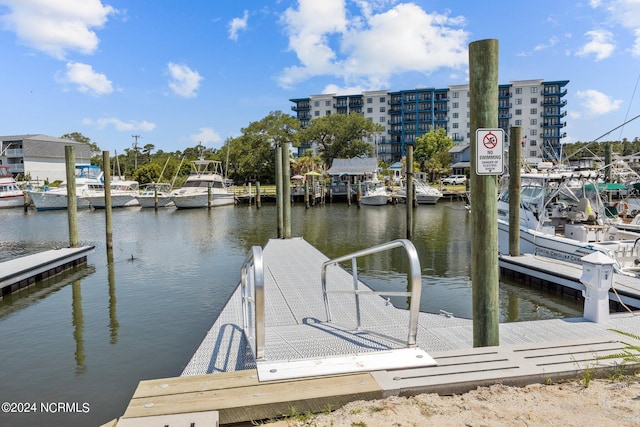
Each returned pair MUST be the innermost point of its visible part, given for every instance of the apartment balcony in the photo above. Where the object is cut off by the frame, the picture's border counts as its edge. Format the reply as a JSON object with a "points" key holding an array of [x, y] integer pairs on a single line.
{"points": [[301, 107], [504, 105], [16, 168], [554, 124], [553, 102], [549, 91], [555, 114], [14, 152], [504, 116]]}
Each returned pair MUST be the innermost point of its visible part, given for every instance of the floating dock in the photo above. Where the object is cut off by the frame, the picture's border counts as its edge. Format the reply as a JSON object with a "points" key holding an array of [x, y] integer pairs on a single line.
{"points": [[309, 364], [625, 290], [25, 271]]}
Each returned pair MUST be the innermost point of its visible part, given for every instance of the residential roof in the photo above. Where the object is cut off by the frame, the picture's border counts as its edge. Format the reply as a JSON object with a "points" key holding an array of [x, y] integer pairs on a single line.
{"points": [[48, 146], [458, 148], [355, 166]]}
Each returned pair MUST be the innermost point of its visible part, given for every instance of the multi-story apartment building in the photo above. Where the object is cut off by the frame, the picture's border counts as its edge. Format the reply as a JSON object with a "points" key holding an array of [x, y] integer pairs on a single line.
{"points": [[534, 105]]}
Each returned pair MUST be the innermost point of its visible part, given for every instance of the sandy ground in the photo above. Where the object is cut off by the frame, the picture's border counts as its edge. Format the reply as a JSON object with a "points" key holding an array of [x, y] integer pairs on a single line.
{"points": [[603, 403]]}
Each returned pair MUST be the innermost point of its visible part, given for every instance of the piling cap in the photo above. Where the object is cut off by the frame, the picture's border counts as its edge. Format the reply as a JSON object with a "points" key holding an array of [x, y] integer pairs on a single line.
{"points": [[597, 258]]}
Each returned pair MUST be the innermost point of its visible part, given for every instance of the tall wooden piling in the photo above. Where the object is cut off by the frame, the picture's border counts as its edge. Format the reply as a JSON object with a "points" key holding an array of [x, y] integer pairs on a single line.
{"points": [[515, 152], [106, 161], [279, 191], [72, 201], [286, 196], [410, 196], [483, 88], [258, 196]]}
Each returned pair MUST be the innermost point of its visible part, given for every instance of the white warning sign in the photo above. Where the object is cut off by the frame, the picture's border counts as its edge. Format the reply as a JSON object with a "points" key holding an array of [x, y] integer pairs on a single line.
{"points": [[489, 151]]}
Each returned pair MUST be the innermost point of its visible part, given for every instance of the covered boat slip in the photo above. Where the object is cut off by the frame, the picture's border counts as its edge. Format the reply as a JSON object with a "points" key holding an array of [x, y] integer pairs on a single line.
{"points": [[308, 363]]}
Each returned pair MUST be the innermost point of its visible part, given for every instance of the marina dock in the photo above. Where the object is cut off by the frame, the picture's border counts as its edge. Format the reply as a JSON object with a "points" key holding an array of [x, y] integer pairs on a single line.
{"points": [[308, 363], [625, 290], [22, 272]]}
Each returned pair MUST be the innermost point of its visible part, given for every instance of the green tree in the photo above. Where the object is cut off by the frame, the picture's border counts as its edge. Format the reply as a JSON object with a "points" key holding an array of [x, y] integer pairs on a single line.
{"points": [[147, 149], [341, 136], [252, 155], [96, 153], [147, 173], [432, 152]]}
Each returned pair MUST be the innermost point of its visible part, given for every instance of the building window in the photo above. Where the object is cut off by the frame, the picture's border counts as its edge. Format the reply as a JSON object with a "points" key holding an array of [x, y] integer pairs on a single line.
{"points": [[316, 113], [518, 122], [455, 115], [316, 103], [534, 90], [518, 90], [454, 105], [455, 125], [533, 143], [327, 103], [533, 132], [369, 100], [534, 111], [518, 101], [383, 119], [534, 100], [533, 153], [533, 122], [382, 99], [382, 109], [456, 94], [327, 113], [369, 110], [518, 112]]}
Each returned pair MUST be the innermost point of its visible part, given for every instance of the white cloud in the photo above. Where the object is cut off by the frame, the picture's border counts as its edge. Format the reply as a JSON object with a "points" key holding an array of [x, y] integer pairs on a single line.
{"points": [[57, 27], [596, 103], [623, 13], [87, 80], [552, 42], [361, 51], [120, 125], [600, 45], [206, 135], [238, 24], [184, 81]]}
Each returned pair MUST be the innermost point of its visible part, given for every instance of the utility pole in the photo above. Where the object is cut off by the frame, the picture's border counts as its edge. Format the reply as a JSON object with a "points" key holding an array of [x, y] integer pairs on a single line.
{"points": [[135, 150]]}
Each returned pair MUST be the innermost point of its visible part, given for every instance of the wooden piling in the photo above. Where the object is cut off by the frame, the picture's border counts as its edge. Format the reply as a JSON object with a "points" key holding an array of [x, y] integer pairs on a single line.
{"points": [[286, 187], [515, 151], [258, 196], [306, 194], [279, 191], [483, 88], [106, 161], [410, 193], [72, 201]]}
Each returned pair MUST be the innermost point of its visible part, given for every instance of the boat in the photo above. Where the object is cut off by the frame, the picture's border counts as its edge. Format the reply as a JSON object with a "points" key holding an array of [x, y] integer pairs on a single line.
{"points": [[562, 217], [205, 187], [375, 195], [88, 178], [425, 194], [124, 194], [149, 192], [10, 195]]}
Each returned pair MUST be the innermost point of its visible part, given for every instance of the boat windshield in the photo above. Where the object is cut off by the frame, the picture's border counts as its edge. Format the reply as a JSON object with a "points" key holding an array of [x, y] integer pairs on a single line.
{"points": [[203, 184]]}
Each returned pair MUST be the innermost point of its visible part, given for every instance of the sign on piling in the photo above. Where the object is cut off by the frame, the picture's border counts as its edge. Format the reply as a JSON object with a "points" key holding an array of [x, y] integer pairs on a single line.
{"points": [[489, 151]]}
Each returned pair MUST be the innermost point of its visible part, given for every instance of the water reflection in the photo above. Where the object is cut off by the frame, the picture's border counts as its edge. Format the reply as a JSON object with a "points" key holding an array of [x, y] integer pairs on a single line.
{"points": [[113, 319], [78, 326]]}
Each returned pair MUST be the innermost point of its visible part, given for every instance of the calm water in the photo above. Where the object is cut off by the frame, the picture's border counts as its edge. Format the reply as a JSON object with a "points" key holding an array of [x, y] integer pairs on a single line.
{"points": [[87, 340]]}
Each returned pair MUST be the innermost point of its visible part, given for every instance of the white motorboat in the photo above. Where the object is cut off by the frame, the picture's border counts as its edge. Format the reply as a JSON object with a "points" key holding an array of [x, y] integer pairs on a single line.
{"points": [[10, 195], [425, 194], [155, 190], [562, 217], [123, 194], [205, 187], [89, 178], [375, 195]]}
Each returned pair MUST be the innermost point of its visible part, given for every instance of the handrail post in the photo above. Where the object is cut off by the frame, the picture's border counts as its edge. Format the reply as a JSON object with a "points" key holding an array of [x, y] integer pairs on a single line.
{"points": [[253, 295]]}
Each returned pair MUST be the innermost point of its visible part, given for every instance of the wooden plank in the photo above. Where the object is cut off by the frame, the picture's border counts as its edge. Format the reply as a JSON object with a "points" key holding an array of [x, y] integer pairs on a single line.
{"points": [[256, 402], [198, 419], [195, 383]]}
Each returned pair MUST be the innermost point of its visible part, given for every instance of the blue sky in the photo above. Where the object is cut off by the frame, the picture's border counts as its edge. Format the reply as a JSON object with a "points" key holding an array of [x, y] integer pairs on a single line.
{"points": [[182, 72]]}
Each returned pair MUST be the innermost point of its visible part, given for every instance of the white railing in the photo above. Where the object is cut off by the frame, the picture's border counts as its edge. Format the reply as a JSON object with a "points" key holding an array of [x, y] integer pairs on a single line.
{"points": [[414, 280], [252, 288]]}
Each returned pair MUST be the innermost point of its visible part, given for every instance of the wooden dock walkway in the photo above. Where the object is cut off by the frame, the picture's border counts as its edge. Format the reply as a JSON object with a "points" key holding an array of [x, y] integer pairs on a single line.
{"points": [[22, 272], [224, 378]]}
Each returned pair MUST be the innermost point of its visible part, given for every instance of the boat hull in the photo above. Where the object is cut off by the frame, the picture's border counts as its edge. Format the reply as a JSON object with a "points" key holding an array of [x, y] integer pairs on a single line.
{"points": [[117, 201], [377, 200], [7, 202], [150, 201], [49, 201], [201, 200]]}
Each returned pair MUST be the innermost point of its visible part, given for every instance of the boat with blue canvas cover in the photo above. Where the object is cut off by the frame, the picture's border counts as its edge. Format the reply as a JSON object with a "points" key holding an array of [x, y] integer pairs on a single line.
{"points": [[88, 178]]}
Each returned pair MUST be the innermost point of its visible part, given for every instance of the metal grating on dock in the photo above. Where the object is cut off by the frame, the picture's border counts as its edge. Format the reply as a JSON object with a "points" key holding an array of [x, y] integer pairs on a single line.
{"points": [[297, 337]]}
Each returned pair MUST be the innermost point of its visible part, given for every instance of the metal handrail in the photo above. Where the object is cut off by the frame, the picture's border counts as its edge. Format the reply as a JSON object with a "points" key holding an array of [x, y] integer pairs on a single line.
{"points": [[252, 288], [414, 279]]}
